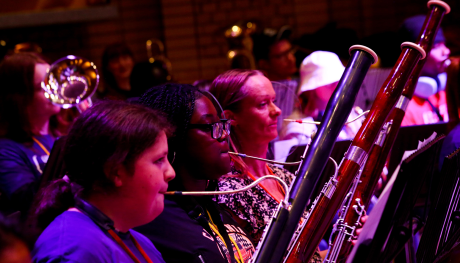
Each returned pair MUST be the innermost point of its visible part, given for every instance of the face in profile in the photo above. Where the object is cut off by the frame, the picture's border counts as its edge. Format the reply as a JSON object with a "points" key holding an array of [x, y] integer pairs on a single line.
{"points": [[148, 180], [257, 117], [205, 156], [436, 60], [41, 107], [282, 59]]}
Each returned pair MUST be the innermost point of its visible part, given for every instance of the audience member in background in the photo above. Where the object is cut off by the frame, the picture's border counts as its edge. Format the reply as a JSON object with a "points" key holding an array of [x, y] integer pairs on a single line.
{"points": [[320, 73], [14, 247], [274, 53], [117, 65], [428, 104], [195, 228], [247, 98], [274, 56], [117, 167], [28, 129]]}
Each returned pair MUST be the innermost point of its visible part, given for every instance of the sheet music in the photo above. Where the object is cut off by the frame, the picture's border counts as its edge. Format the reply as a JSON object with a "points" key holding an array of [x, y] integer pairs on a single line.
{"points": [[372, 222]]}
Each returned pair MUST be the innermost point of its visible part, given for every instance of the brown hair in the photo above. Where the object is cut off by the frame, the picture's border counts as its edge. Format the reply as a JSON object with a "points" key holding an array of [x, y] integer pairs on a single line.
{"points": [[16, 93], [113, 51], [109, 134]]}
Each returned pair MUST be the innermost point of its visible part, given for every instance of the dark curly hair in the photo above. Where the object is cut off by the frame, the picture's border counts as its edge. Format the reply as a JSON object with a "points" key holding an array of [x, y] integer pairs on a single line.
{"points": [[177, 101]]}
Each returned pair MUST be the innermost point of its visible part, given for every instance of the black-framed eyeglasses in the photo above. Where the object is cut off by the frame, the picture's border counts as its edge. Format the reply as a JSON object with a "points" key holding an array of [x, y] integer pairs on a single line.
{"points": [[284, 54], [217, 128]]}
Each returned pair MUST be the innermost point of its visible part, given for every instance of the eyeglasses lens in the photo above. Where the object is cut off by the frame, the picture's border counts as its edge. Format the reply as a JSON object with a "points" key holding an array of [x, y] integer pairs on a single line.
{"points": [[217, 130], [227, 127]]}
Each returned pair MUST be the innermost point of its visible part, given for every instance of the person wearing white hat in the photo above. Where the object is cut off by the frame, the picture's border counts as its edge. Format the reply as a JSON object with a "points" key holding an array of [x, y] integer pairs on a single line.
{"points": [[320, 73], [274, 56]]}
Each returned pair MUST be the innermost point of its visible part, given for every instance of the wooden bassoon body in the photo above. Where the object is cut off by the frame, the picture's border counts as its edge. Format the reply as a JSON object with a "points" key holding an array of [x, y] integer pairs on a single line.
{"points": [[328, 204], [340, 241], [278, 234]]}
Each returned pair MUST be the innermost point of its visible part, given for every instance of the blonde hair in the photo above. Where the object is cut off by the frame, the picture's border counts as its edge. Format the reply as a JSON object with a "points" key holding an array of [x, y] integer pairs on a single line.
{"points": [[228, 90]]}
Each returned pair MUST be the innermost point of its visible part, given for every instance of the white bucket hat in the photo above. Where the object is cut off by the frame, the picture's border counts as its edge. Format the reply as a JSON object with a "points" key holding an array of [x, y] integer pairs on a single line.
{"points": [[318, 69]]}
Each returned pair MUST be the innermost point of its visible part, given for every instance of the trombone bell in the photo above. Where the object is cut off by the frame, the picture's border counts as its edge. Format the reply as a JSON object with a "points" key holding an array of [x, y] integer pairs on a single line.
{"points": [[70, 80]]}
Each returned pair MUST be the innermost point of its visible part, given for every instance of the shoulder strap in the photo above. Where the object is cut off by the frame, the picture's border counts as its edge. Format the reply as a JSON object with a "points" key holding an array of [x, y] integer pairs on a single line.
{"points": [[435, 110]]}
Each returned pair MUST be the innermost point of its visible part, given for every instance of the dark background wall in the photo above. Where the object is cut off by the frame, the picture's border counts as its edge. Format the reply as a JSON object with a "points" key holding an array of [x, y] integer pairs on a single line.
{"points": [[192, 30], [136, 22]]}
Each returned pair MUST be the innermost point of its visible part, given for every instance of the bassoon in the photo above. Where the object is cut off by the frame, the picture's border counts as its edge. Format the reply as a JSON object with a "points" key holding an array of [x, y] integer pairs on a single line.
{"points": [[276, 239], [358, 201], [328, 203]]}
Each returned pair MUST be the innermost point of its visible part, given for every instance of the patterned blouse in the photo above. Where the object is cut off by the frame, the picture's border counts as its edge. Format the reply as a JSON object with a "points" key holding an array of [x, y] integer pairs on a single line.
{"points": [[254, 206]]}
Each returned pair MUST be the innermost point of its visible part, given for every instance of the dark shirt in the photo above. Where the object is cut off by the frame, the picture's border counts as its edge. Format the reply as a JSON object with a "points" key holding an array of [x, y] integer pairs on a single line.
{"points": [[182, 233], [21, 167], [450, 144], [74, 237]]}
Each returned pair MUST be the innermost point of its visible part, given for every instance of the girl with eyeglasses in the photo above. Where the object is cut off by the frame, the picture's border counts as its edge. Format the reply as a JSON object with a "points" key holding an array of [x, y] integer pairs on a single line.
{"points": [[195, 228]]}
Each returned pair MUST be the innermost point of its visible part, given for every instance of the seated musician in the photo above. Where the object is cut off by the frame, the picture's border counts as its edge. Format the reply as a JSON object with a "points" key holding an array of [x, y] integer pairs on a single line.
{"points": [[428, 105], [247, 98], [117, 167], [195, 228], [320, 73], [28, 129]]}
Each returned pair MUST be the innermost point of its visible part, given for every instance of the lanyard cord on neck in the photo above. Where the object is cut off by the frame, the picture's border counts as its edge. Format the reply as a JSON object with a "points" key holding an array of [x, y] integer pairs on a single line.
{"points": [[214, 228], [433, 108], [105, 223], [41, 146], [266, 190], [126, 248]]}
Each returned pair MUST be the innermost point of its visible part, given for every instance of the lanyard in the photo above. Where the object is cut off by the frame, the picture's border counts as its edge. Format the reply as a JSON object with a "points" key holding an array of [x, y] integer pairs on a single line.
{"points": [[126, 248], [41, 146], [107, 224], [271, 173], [214, 228]]}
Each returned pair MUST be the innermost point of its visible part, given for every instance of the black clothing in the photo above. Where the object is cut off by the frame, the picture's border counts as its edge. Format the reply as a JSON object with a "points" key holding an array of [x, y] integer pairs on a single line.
{"points": [[182, 232]]}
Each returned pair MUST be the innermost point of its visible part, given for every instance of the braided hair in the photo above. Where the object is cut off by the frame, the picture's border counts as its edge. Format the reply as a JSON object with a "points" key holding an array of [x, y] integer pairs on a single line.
{"points": [[177, 101]]}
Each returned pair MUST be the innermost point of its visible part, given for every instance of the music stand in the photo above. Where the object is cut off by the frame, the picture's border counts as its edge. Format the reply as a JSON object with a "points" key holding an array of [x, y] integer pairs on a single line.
{"points": [[391, 225], [408, 138], [442, 228]]}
